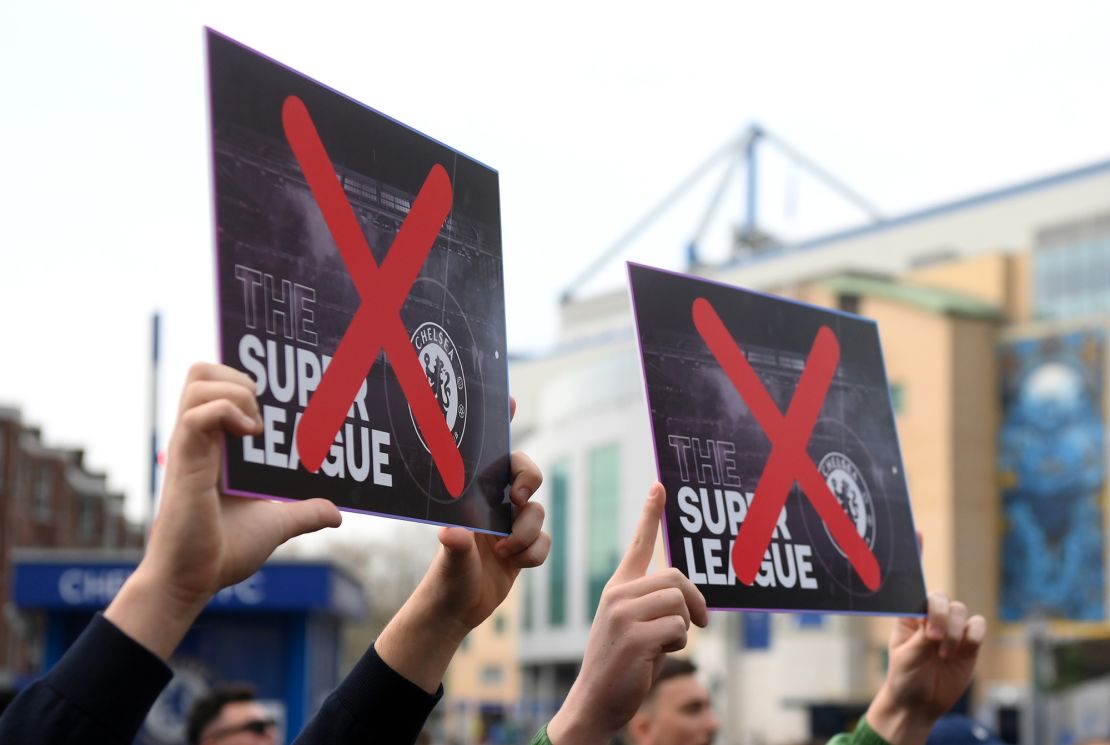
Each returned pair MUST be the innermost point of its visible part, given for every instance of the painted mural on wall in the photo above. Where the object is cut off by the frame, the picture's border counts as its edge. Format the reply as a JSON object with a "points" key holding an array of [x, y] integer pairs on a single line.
{"points": [[1052, 470]]}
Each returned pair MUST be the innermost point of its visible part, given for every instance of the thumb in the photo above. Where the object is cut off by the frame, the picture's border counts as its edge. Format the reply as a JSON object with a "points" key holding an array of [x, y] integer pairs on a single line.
{"points": [[905, 629], [458, 545], [308, 517], [657, 667]]}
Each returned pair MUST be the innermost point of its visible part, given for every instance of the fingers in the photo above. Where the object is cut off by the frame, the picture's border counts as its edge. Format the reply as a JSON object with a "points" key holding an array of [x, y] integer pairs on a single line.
{"points": [[957, 623], [207, 372], [661, 635], [458, 547], [456, 540], [666, 602], [202, 391], [526, 529], [308, 517], [949, 626], [526, 478], [654, 623], [535, 554], [668, 578], [220, 414], [512, 408], [216, 397], [974, 635], [638, 556], [936, 625]]}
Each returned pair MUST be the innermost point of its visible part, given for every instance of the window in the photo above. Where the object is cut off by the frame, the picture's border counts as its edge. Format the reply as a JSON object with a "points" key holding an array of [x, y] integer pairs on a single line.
{"points": [[603, 548], [528, 619], [1071, 270], [810, 620], [21, 480], [359, 189], [557, 584], [755, 631], [848, 303], [396, 202], [492, 675], [898, 397], [87, 518], [44, 493]]}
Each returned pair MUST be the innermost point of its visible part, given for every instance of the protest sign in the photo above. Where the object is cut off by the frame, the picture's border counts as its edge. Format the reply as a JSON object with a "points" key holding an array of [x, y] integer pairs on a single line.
{"points": [[360, 285], [775, 440]]}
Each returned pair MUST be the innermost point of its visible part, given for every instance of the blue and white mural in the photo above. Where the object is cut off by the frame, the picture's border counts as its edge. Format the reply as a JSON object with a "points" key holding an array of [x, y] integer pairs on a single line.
{"points": [[1051, 465]]}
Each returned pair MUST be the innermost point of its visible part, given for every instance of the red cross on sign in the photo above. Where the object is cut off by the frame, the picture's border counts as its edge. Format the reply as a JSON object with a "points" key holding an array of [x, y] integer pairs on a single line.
{"points": [[377, 324], [789, 461]]}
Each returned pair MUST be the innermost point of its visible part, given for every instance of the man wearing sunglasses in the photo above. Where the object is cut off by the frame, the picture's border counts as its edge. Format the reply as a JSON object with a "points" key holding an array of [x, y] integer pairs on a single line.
{"points": [[230, 715]]}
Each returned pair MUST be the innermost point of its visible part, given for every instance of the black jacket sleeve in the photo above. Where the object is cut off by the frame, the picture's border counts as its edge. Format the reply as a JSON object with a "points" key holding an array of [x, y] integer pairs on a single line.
{"points": [[100, 691], [373, 704]]}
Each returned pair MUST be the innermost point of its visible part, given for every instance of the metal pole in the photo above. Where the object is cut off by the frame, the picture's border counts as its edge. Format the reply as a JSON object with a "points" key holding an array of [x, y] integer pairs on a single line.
{"points": [[831, 181], [1040, 650], [751, 198], [155, 325], [644, 222]]}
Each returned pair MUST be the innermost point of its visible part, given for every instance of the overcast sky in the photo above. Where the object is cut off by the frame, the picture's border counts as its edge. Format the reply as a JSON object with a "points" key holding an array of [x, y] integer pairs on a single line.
{"points": [[591, 112]]}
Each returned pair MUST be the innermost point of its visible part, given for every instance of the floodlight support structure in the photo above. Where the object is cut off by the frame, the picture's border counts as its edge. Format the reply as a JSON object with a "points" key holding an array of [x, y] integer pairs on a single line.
{"points": [[742, 149]]}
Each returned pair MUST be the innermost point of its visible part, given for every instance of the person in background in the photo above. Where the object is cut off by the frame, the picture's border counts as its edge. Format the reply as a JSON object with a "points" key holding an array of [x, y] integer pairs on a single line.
{"points": [[956, 729], [230, 715], [677, 708]]}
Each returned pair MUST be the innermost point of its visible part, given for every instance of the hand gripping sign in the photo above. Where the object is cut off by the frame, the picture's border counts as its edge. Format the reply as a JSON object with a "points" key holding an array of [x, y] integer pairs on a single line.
{"points": [[359, 284], [775, 441]]}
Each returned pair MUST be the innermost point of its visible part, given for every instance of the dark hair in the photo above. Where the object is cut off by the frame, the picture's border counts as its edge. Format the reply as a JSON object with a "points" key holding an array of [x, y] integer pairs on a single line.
{"points": [[207, 707], [673, 667]]}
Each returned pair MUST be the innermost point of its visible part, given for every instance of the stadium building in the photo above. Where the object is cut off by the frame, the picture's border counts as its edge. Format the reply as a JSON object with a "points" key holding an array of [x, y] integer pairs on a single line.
{"points": [[992, 313]]}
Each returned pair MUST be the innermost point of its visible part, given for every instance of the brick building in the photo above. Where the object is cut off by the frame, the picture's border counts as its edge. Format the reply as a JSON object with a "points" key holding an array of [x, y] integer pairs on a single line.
{"points": [[48, 499]]}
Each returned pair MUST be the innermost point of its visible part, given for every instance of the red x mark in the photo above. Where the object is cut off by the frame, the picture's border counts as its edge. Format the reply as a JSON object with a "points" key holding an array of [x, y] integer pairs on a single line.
{"points": [[789, 461], [377, 324]]}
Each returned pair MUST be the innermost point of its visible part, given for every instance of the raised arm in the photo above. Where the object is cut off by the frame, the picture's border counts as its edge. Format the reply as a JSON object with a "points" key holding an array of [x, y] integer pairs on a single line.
{"points": [[391, 691], [203, 541], [641, 617], [102, 688], [931, 664]]}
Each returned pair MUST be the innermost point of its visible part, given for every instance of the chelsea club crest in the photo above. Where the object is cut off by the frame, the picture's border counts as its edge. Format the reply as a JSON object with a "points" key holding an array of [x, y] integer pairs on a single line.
{"points": [[440, 360], [846, 483]]}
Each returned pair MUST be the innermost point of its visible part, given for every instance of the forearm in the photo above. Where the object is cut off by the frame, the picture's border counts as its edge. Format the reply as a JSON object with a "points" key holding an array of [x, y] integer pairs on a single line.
{"points": [[570, 727], [374, 703], [99, 691], [147, 613], [419, 642], [898, 724]]}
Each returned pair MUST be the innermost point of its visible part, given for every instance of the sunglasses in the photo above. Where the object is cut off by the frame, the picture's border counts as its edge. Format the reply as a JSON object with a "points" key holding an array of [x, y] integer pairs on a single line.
{"points": [[254, 726]]}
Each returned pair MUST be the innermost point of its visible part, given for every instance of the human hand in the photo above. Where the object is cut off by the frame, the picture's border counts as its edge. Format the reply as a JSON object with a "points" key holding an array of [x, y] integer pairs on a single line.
{"points": [[931, 664], [639, 620], [201, 540], [469, 578], [473, 572]]}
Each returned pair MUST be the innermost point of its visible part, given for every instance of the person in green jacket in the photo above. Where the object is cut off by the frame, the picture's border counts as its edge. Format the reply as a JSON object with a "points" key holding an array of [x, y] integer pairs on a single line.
{"points": [[643, 617]]}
